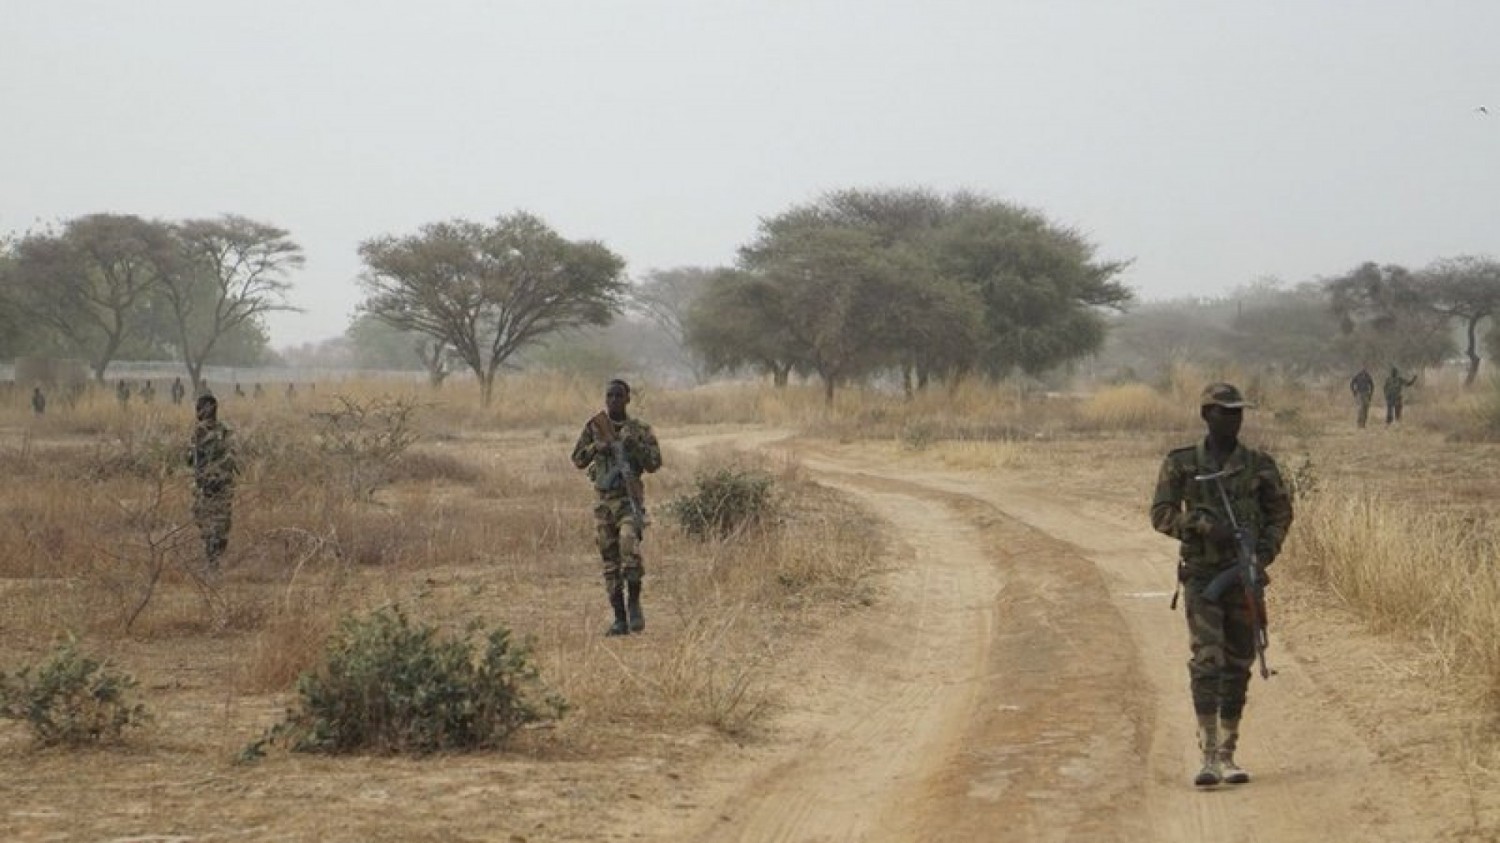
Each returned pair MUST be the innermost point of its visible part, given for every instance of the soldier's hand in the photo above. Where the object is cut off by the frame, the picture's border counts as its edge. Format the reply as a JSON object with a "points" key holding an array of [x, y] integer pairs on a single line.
{"points": [[1221, 533]]}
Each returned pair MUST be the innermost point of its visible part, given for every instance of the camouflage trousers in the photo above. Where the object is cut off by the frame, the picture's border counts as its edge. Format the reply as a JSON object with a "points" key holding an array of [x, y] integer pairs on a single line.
{"points": [[1392, 410], [619, 546], [1222, 638], [1364, 410], [213, 515]]}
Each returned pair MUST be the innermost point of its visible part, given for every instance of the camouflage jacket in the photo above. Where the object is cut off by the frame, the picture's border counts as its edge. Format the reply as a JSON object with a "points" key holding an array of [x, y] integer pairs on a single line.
{"points": [[1394, 384], [1184, 508], [211, 456], [592, 455]]}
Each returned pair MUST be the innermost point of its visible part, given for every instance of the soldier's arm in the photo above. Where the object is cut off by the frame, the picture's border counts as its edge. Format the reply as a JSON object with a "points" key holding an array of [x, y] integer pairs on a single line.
{"points": [[1275, 503], [583, 449], [1167, 515]]}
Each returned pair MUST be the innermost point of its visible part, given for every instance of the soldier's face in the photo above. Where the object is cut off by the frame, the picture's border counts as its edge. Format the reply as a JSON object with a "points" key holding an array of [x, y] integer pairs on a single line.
{"points": [[1224, 422], [615, 399]]}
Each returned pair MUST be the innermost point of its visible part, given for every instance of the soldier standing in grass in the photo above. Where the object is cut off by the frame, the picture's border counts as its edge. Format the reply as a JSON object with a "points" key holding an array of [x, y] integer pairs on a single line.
{"points": [[1394, 384], [178, 391], [1220, 632], [38, 401], [1363, 387], [619, 511], [211, 456]]}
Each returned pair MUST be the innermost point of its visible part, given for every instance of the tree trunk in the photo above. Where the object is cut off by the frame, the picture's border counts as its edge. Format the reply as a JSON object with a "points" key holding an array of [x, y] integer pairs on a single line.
{"points": [[1472, 352]]}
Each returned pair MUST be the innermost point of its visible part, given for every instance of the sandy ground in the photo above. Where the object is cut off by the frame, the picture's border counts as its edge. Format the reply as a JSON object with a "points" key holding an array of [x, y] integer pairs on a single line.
{"points": [[1020, 678]]}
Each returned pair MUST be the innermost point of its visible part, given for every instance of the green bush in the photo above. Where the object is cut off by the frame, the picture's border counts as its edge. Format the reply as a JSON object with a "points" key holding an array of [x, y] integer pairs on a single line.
{"points": [[724, 501], [71, 699], [388, 686]]}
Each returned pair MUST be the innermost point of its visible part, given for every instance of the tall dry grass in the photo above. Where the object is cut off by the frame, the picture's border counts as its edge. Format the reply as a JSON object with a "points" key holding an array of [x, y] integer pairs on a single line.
{"points": [[1433, 576]]}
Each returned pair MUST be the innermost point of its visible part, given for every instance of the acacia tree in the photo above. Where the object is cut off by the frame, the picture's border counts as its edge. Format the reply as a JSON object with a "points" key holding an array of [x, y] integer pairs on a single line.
{"points": [[1042, 291], [88, 284], [666, 296], [738, 321], [226, 274], [1467, 289], [489, 291], [1385, 315]]}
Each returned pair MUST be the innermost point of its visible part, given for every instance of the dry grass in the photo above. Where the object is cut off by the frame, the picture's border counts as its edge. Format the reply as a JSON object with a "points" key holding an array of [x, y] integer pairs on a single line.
{"points": [[1430, 575], [485, 519]]}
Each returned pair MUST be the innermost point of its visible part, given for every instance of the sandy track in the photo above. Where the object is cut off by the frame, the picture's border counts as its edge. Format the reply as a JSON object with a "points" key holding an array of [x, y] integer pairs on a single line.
{"points": [[1023, 679]]}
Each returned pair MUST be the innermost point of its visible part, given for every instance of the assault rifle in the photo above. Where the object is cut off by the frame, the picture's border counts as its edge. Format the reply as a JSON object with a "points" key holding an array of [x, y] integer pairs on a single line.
{"points": [[619, 471], [1246, 572]]}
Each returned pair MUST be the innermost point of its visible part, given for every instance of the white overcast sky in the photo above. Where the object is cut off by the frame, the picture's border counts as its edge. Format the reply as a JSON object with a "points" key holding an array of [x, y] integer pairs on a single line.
{"points": [[1212, 142]]}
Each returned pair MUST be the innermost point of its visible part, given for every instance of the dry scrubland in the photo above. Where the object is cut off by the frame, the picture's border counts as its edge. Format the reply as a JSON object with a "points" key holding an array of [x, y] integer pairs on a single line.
{"points": [[483, 519]]}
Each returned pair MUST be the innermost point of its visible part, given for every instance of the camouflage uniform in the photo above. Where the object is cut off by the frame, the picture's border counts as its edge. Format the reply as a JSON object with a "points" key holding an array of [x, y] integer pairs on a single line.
{"points": [[1221, 632], [1392, 388], [211, 456], [1363, 387], [619, 549]]}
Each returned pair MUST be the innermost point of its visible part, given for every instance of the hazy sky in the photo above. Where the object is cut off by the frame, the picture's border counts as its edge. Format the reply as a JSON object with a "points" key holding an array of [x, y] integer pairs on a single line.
{"points": [[1212, 142]]}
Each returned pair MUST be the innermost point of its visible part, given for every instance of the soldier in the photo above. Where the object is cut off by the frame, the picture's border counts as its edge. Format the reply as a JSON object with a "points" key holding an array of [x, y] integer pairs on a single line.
{"points": [[212, 457], [178, 391], [38, 401], [1363, 387], [148, 392], [122, 393], [619, 534], [1392, 388], [1220, 632]]}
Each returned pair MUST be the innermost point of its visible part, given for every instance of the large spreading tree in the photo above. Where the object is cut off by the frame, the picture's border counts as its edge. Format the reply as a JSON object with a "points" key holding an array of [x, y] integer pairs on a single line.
{"points": [[226, 274], [933, 286], [488, 291], [88, 284], [1466, 289]]}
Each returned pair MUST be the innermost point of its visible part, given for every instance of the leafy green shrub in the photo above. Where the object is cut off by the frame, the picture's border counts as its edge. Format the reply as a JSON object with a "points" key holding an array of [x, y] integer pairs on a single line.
{"points": [[386, 685], [71, 699], [725, 501]]}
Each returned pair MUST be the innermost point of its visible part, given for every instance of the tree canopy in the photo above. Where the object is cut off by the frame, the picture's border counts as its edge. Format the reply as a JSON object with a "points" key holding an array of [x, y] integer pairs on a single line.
{"points": [[862, 281], [488, 291]]}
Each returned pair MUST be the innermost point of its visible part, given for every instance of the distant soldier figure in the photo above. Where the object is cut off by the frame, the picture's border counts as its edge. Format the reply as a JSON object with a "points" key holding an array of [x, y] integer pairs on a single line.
{"points": [[211, 456], [148, 392], [239, 390], [619, 511], [291, 392], [122, 392], [178, 390], [38, 401], [1221, 631], [1363, 387], [1393, 387], [257, 391]]}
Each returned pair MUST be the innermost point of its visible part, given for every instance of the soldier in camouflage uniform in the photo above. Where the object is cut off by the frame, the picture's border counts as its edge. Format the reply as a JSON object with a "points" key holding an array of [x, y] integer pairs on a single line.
{"points": [[619, 542], [211, 456], [1393, 387], [1220, 632], [1363, 387]]}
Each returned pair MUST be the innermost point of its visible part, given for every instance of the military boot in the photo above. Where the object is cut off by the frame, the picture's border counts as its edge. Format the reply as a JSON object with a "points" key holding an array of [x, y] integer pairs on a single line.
{"points": [[1208, 743], [637, 619], [617, 602], [1229, 738]]}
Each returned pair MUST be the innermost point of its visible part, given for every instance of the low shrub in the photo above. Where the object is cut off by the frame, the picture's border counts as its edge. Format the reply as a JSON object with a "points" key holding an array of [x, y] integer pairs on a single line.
{"points": [[71, 699], [724, 501], [388, 686]]}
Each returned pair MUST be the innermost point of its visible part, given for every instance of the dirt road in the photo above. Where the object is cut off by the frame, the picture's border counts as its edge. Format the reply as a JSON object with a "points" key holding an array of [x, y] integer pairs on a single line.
{"points": [[1024, 679]]}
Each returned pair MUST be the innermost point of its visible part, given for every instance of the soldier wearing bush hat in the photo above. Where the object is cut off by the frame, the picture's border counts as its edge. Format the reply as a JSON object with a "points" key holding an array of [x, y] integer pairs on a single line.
{"points": [[1190, 505]]}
